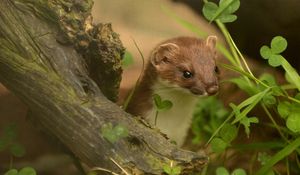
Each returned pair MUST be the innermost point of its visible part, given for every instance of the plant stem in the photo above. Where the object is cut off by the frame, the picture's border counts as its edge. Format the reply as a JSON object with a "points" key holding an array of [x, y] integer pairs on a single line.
{"points": [[156, 115], [241, 55], [219, 128], [274, 123], [137, 83], [287, 166], [232, 49], [279, 156], [11, 159]]}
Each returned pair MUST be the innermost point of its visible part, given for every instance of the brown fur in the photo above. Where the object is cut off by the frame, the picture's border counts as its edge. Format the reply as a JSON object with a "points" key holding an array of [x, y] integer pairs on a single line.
{"points": [[168, 61]]}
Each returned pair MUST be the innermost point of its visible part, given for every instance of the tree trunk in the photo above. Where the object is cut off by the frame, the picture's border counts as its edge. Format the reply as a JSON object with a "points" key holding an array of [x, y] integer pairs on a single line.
{"points": [[60, 64]]}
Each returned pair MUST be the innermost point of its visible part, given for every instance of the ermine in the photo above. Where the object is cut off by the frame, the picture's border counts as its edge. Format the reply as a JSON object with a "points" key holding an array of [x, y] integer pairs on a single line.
{"points": [[180, 70]]}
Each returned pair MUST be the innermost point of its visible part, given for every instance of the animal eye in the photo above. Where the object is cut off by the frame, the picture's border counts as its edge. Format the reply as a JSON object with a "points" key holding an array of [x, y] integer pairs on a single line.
{"points": [[217, 70], [187, 74]]}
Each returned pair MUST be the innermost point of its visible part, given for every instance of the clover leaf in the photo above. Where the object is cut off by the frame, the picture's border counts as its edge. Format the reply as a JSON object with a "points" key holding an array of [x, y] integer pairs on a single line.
{"points": [[223, 12], [162, 105], [113, 134]]}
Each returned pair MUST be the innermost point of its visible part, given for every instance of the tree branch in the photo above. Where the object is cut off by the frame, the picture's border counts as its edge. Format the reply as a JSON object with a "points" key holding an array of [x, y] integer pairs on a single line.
{"points": [[60, 85]]}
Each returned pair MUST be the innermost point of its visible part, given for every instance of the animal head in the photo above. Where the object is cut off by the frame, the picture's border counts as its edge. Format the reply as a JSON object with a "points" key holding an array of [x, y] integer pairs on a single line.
{"points": [[189, 63]]}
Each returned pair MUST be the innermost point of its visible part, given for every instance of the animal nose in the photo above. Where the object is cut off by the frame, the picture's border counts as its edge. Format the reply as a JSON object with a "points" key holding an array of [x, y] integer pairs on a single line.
{"points": [[211, 90]]}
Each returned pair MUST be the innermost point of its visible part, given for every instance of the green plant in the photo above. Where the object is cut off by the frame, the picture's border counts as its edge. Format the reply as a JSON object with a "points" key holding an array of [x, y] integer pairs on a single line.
{"points": [[224, 171], [161, 105], [127, 60], [113, 133], [280, 103], [8, 141], [172, 169], [23, 171], [210, 111]]}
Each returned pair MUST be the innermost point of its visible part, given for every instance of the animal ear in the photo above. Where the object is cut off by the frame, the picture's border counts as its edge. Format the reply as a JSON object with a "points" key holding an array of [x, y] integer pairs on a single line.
{"points": [[211, 41], [164, 53]]}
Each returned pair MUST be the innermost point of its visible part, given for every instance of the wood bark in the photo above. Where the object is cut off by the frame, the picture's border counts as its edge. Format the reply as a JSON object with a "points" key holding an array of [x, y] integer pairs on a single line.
{"points": [[67, 70]]}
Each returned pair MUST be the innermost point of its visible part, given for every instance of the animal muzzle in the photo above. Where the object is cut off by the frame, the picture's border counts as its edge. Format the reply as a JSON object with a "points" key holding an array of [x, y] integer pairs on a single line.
{"points": [[213, 89], [208, 89]]}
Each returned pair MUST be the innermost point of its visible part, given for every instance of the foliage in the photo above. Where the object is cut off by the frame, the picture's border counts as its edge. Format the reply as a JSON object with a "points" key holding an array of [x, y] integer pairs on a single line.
{"points": [[223, 12], [161, 105], [127, 59], [113, 133], [8, 141], [280, 103], [210, 111], [23, 171], [172, 169], [224, 171]]}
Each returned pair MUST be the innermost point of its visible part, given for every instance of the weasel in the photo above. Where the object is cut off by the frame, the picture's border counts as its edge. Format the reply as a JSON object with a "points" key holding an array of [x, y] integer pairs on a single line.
{"points": [[180, 70]]}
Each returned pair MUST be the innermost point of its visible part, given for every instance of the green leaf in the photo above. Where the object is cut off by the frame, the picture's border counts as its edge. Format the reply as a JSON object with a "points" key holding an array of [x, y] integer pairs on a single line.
{"points": [[239, 171], [243, 84], [3, 144], [113, 134], [265, 52], [27, 171], [222, 171], [166, 105], [121, 131], [293, 122], [10, 131], [230, 6], [162, 105], [228, 132], [227, 18], [294, 108], [127, 59], [263, 158], [235, 109], [17, 150], [247, 121], [278, 44], [225, 10], [279, 156], [269, 100], [167, 169], [12, 172], [209, 10], [269, 79], [283, 109], [175, 170], [275, 60], [297, 96], [218, 145], [288, 78], [270, 172], [157, 100], [250, 103], [292, 74]]}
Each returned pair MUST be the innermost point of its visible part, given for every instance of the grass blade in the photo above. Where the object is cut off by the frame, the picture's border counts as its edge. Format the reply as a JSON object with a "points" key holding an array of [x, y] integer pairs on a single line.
{"points": [[292, 73], [279, 156]]}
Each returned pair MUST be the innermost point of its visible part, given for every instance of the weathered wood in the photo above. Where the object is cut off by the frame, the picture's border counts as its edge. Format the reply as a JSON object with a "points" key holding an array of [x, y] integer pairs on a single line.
{"points": [[56, 61]]}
